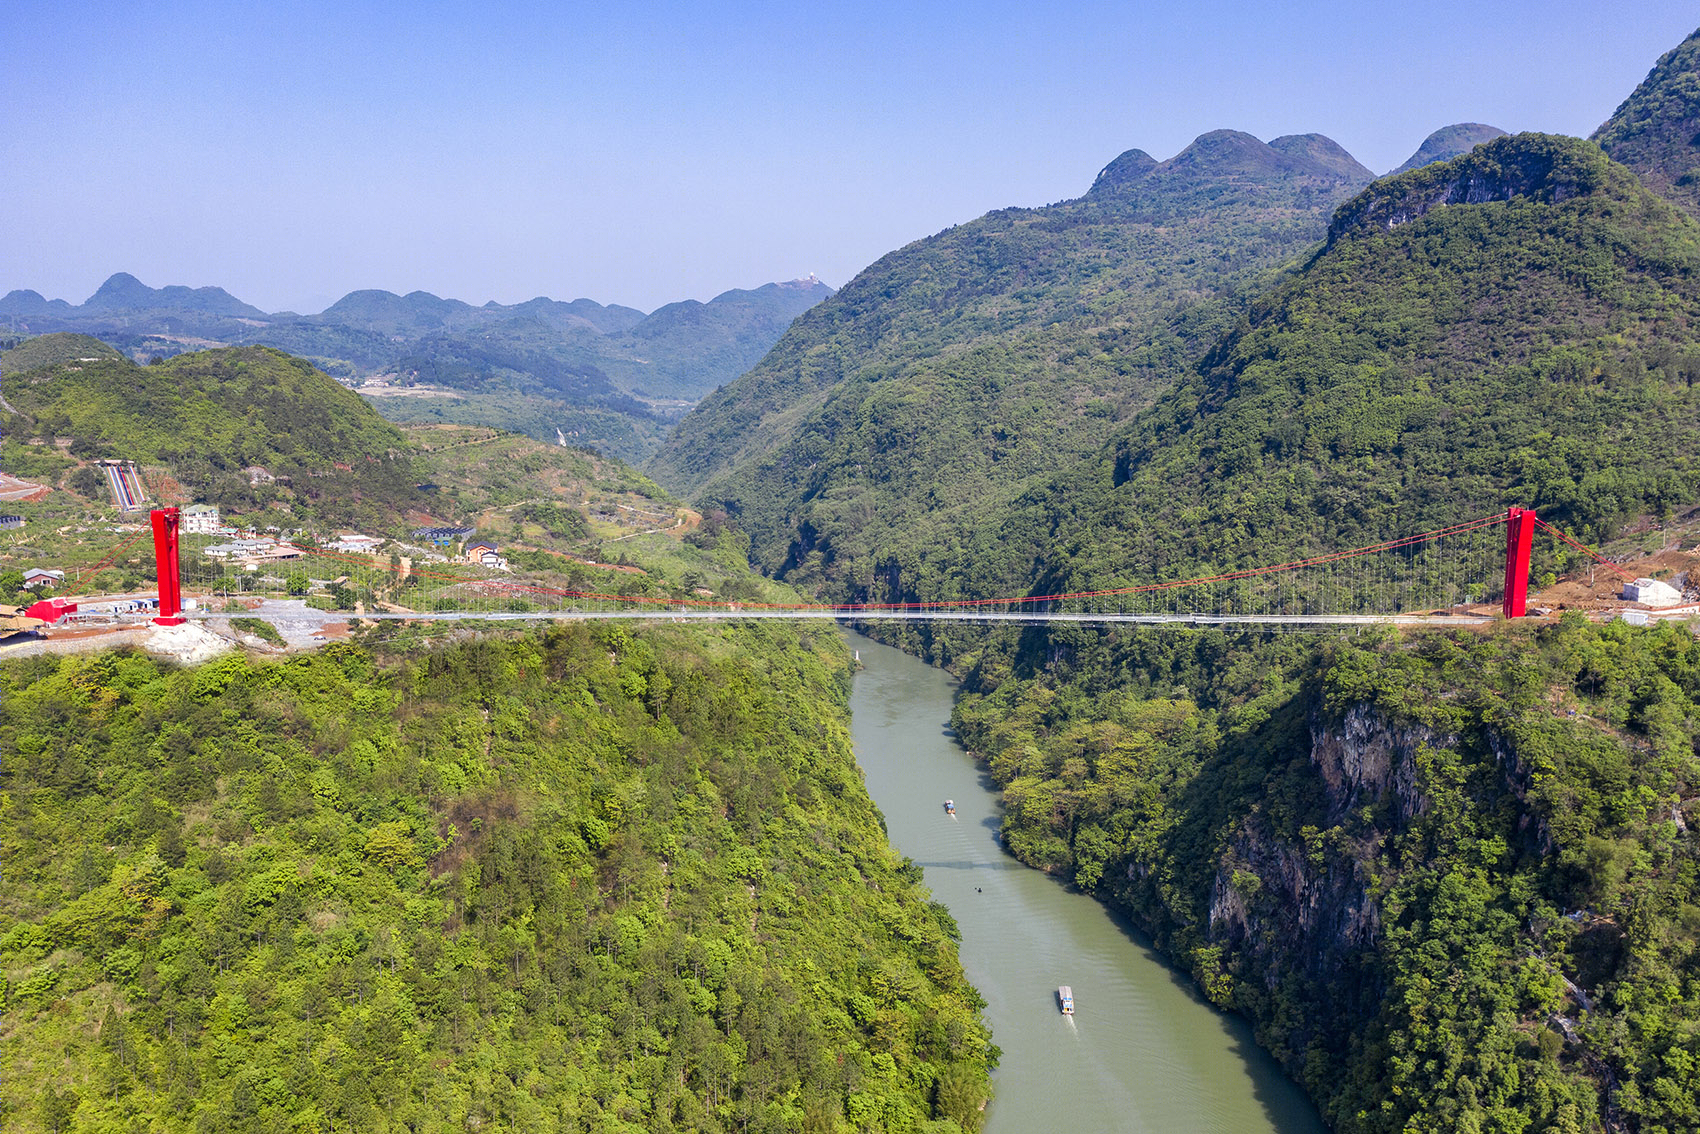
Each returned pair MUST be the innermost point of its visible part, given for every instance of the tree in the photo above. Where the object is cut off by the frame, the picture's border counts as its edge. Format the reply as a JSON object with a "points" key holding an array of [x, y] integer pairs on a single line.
{"points": [[57, 1108]]}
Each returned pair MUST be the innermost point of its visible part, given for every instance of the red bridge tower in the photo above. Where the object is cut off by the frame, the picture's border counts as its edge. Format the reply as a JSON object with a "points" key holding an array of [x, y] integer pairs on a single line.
{"points": [[1519, 532], [165, 521]]}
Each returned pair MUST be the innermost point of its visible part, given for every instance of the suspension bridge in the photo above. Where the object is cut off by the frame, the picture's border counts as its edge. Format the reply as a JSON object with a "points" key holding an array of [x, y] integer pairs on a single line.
{"points": [[1443, 576]]}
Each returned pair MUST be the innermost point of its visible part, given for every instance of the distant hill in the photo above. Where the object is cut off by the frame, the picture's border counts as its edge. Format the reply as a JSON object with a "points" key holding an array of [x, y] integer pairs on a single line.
{"points": [[611, 375], [924, 395], [124, 292], [1448, 142], [51, 350], [1656, 130], [1514, 326]]}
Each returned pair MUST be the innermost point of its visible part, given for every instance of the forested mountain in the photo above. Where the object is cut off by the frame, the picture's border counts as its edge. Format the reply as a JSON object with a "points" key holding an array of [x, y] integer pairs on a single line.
{"points": [[1448, 142], [1655, 130], [916, 402], [52, 350], [1514, 326], [587, 879], [608, 377], [209, 418], [1450, 877], [593, 877], [1453, 879]]}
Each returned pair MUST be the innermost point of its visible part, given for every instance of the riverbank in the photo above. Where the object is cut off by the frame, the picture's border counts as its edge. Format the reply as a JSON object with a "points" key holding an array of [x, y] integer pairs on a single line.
{"points": [[1145, 1052]]}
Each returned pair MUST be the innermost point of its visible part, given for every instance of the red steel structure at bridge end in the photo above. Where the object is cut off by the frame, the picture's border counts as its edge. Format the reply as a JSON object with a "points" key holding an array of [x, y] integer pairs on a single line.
{"points": [[165, 523], [1519, 533]]}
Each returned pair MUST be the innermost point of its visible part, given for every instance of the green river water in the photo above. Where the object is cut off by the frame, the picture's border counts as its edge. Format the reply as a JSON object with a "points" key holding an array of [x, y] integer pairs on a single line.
{"points": [[1144, 1051]]}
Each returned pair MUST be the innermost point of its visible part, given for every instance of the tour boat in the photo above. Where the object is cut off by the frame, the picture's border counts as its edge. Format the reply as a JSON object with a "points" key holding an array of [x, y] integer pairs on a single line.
{"points": [[950, 807], [1065, 998]]}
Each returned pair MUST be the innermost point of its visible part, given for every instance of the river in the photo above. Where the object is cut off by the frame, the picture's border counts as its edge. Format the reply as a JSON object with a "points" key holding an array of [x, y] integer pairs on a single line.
{"points": [[1144, 1051]]}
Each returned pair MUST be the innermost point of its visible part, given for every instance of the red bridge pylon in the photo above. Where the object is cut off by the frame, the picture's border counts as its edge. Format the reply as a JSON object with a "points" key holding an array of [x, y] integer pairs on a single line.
{"points": [[165, 522], [1519, 532]]}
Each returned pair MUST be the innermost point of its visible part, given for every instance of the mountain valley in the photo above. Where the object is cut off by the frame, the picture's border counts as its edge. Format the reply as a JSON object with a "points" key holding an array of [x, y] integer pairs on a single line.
{"points": [[497, 857]]}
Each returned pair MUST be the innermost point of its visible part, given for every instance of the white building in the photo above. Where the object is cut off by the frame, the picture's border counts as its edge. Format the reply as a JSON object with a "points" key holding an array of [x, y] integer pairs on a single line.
{"points": [[356, 543], [200, 519], [237, 548], [483, 553]]}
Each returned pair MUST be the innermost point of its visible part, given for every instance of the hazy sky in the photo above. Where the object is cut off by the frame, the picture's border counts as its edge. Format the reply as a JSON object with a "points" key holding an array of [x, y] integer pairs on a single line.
{"points": [[641, 153]]}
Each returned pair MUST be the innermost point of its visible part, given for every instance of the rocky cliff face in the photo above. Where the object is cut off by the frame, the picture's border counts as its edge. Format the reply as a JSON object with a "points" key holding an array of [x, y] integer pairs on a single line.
{"points": [[1539, 167], [1310, 906]]}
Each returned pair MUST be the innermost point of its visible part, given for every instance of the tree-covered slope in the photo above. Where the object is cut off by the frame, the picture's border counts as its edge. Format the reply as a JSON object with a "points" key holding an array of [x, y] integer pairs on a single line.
{"points": [[581, 880], [1515, 326], [53, 350], [1454, 881], [208, 417], [1655, 131], [955, 370]]}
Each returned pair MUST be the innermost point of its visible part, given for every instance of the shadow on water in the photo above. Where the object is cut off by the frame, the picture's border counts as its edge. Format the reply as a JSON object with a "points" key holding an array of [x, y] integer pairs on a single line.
{"points": [[1282, 1099], [969, 864]]}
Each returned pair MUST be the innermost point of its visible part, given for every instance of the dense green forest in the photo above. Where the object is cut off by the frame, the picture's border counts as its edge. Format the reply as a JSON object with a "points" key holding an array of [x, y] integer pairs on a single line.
{"points": [[592, 878], [920, 398], [1440, 360], [1454, 879], [209, 417], [52, 350], [585, 879]]}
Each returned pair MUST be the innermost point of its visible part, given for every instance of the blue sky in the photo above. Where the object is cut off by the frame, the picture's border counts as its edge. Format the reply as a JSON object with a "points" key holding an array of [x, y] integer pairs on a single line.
{"points": [[641, 153]]}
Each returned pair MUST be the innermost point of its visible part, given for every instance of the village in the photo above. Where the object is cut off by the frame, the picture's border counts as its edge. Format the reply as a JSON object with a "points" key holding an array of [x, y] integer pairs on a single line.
{"points": [[74, 577]]}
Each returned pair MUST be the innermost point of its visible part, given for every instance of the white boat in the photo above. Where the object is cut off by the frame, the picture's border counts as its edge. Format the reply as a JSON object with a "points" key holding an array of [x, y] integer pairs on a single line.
{"points": [[950, 807], [1065, 999]]}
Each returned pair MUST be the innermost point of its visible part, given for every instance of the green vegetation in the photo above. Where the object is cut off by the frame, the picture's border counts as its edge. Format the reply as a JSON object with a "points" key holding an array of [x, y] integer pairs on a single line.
{"points": [[53, 350], [1531, 350], [1453, 880], [534, 367], [208, 417], [899, 415], [626, 436], [588, 879], [260, 628], [1449, 142]]}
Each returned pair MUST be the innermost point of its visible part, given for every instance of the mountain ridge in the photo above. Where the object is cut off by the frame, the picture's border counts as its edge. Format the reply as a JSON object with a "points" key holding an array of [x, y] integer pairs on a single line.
{"points": [[958, 367], [122, 291], [1654, 130], [611, 377], [1447, 143], [1531, 347]]}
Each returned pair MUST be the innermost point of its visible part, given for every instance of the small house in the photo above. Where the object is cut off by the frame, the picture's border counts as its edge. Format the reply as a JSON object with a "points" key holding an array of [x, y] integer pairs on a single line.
{"points": [[43, 577], [483, 553], [356, 544], [51, 610]]}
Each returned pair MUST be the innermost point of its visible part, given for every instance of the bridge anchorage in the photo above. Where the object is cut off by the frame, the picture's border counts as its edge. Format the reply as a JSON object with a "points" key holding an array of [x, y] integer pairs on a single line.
{"points": [[1440, 577]]}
